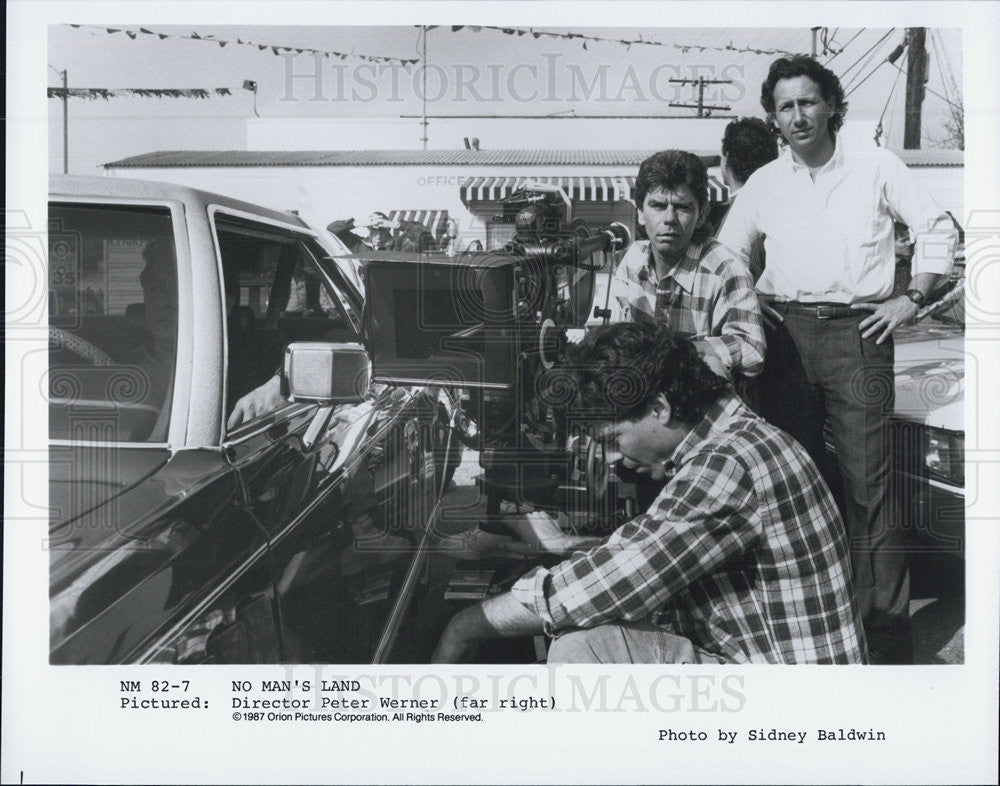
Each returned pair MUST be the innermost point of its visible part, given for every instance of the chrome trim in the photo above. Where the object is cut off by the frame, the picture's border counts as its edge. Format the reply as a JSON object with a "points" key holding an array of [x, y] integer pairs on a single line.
{"points": [[391, 630], [446, 383], [289, 411]]}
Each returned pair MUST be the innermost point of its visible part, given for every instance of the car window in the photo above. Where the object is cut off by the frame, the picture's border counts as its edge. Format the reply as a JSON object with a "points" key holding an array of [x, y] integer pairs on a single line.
{"points": [[275, 294], [112, 322]]}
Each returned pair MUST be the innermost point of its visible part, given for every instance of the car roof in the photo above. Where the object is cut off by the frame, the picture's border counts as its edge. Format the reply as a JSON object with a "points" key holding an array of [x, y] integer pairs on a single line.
{"points": [[193, 198]]}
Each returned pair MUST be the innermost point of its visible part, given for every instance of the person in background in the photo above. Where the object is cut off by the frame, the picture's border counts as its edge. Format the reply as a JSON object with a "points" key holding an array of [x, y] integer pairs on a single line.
{"points": [[342, 230], [747, 144], [683, 278], [826, 214], [386, 234], [741, 558]]}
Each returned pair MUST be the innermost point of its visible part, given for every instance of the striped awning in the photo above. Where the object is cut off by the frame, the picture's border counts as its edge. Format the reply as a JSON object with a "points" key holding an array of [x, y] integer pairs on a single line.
{"points": [[583, 189], [435, 220]]}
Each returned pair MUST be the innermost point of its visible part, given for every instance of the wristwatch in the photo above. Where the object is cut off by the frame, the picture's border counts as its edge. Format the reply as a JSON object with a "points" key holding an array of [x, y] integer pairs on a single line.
{"points": [[917, 297]]}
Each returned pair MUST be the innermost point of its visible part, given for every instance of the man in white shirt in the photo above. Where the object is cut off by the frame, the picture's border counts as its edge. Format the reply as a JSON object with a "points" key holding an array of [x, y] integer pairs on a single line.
{"points": [[827, 217]]}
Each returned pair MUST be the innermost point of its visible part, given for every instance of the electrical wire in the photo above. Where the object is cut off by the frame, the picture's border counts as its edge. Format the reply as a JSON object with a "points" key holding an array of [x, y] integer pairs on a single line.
{"points": [[847, 44], [878, 127], [850, 68], [933, 92]]}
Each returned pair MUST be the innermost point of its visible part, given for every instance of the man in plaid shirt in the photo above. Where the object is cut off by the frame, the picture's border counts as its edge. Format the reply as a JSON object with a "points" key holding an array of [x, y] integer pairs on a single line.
{"points": [[682, 277], [740, 559]]}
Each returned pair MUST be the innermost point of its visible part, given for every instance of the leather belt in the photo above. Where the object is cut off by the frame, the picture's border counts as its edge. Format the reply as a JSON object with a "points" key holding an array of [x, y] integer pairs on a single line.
{"points": [[818, 310]]}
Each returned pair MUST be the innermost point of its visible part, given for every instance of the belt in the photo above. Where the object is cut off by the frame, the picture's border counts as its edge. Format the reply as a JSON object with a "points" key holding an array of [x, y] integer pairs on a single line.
{"points": [[818, 310]]}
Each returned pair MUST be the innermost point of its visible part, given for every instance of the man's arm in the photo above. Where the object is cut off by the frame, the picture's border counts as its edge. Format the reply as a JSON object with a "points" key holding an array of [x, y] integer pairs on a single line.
{"points": [[736, 317], [706, 517], [933, 250], [257, 402], [496, 617], [739, 233]]}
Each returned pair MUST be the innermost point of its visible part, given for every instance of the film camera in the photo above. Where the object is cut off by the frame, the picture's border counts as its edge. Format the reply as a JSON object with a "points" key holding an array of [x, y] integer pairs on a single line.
{"points": [[490, 328]]}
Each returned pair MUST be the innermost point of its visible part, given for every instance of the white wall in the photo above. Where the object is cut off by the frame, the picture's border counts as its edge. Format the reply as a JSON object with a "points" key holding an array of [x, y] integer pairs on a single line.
{"points": [[322, 194]]}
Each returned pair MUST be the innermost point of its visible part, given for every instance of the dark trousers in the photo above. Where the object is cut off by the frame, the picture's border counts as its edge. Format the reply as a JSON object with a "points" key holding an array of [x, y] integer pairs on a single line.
{"points": [[822, 371]]}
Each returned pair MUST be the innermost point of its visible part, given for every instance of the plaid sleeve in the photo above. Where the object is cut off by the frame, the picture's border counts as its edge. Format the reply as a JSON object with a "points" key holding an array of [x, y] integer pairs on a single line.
{"points": [[737, 334], [705, 516]]}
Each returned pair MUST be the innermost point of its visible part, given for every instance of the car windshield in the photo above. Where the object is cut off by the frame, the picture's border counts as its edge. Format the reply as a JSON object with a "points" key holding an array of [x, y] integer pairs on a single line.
{"points": [[112, 322]]}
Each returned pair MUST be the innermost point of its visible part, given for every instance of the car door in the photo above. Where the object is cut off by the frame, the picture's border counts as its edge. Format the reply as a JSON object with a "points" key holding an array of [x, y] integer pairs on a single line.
{"points": [[152, 556], [337, 513]]}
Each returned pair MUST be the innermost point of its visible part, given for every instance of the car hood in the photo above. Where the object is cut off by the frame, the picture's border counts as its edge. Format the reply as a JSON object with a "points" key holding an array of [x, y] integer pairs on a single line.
{"points": [[930, 375]]}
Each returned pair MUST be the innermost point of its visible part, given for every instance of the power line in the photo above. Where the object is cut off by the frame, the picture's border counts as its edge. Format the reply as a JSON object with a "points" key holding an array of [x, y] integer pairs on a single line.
{"points": [[892, 91], [853, 84], [847, 44], [877, 43], [932, 92]]}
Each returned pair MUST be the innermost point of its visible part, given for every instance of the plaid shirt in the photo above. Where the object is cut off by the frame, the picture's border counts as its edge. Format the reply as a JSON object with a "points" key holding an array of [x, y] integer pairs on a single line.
{"points": [[743, 552], [708, 295]]}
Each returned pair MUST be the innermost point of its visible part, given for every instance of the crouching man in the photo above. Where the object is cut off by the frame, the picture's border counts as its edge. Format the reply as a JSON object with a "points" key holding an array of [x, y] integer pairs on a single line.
{"points": [[740, 559]]}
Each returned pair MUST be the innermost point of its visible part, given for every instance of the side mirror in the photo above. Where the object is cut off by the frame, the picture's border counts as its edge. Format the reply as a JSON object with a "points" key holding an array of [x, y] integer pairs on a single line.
{"points": [[325, 373]]}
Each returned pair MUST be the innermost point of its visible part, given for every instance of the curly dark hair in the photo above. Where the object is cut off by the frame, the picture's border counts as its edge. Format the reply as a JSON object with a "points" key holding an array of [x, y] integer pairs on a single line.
{"points": [[803, 65], [670, 169], [748, 144], [621, 368]]}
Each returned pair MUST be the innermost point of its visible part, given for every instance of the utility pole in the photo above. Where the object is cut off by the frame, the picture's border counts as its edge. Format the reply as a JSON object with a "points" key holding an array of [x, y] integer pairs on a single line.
{"points": [[423, 118], [815, 30], [704, 110], [916, 75], [65, 78], [64, 75]]}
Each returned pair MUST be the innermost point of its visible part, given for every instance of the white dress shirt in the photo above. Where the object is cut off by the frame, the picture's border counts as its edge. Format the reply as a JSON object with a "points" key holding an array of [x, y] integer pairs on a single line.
{"points": [[829, 233]]}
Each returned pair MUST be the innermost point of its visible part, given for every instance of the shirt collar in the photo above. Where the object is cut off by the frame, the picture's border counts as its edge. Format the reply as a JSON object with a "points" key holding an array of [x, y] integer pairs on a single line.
{"points": [[835, 160], [716, 419], [683, 272]]}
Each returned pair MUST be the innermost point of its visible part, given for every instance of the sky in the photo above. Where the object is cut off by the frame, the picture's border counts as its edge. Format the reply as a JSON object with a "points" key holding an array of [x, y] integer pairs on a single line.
{"points": [[470, 71]]}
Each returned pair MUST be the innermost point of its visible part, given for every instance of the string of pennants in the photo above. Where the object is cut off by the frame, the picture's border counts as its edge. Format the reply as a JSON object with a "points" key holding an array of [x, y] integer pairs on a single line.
{"points": [[94, 93], [276, 49], [685, 48]]}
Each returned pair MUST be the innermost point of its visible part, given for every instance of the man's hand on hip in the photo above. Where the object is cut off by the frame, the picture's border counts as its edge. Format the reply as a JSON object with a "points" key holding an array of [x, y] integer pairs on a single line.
{"points": [[885, 317]]}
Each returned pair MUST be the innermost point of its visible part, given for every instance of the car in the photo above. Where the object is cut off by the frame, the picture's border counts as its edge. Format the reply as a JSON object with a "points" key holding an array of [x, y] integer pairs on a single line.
{"points": [[927, 431], [296, 535]]}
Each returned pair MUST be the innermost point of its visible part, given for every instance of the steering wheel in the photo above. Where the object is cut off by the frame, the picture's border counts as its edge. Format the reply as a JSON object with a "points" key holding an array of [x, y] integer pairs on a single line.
{"points": [[80, 347]]}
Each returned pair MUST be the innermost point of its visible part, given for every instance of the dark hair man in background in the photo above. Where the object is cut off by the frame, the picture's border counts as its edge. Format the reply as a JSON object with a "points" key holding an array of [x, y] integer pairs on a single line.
{"points": [[740, 559], [827, 215], [680, 276]]}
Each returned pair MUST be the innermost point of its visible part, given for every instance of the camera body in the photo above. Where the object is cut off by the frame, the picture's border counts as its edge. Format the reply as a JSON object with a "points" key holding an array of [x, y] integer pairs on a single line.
{"points": [[489, 327]]}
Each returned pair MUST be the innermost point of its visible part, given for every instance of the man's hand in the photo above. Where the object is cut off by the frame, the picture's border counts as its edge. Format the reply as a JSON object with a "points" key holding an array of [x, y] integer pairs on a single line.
{"points": [[885, 317], [771, 317], [499, 616], [257, 402], [712, 360], [542, 534]]}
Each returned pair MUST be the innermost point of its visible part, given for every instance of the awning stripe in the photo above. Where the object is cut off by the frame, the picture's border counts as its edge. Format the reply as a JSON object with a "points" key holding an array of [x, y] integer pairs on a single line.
{"points": [[582, 189], [435, 220]]}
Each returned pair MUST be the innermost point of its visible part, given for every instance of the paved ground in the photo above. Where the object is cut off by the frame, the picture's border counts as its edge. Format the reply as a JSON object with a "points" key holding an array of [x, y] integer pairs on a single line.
{"points": [[938, 584]]}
